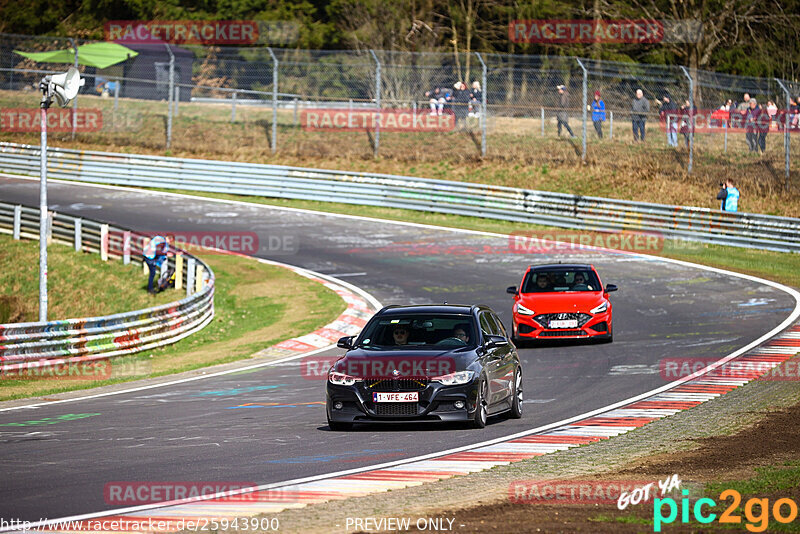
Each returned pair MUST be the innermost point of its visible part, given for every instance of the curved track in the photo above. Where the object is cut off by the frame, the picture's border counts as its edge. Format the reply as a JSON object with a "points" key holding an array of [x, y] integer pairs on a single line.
{"points": [[198, 431]]}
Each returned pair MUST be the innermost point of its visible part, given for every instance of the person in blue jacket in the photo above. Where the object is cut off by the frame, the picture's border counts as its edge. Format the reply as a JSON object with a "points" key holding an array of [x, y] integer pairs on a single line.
{"points": [[598, 114], [729, 196]]}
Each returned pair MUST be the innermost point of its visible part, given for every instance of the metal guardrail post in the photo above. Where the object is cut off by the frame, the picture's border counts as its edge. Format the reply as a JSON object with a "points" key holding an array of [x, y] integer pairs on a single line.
{"points": [[377, 102], [786, 125], [691, 118], [295, 112], [78, 234], [170, 90], [116, 94], [274, 140], [43, 218], [104, 242], [178, 271], [233, 107], [190, 269], [17, 221], [126, 247], [583, 106], [177, 98], [483, 105]]}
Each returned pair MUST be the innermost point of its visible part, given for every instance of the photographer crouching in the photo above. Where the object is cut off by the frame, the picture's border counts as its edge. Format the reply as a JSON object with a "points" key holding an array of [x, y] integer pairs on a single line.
{"points": [[729, 196]]}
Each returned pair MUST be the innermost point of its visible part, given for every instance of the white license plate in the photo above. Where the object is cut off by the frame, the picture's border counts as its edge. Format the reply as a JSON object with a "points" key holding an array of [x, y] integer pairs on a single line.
{"points": [[567, 323], [409, 396]]}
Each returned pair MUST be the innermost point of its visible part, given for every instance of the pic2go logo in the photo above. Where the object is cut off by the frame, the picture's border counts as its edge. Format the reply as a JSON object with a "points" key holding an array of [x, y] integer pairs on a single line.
{"points": [[757, 522]]}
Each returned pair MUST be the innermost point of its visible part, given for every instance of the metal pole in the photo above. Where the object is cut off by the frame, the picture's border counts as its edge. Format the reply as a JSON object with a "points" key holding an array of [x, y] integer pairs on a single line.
{"points": [[169, 94], [295, 112], [233, 107], [274, 140], [786, 132], [691, 118], [483, 105], [583, 106], [116, 94], [725, 126], [542, 122], [377, 101], [177, 98], [611, 125], [75, 101], [43, 215]]}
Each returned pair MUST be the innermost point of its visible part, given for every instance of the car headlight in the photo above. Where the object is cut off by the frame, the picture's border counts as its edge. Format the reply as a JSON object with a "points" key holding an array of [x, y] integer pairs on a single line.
{"points": [[455, 379], [522, 310], [600, 309], [341, 379]]}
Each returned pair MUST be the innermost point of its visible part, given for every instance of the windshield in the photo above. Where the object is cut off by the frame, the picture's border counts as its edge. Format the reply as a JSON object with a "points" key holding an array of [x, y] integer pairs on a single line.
{"points": [[400, 332], [560, 280]]}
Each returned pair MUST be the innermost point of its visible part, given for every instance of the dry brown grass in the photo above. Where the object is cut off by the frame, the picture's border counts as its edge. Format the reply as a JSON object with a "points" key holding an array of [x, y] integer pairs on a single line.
{"points": [[517, 155]]}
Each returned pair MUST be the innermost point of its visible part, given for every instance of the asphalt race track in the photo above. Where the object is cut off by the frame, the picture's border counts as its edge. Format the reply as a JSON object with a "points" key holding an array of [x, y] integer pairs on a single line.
{"points": [[198, 431]]}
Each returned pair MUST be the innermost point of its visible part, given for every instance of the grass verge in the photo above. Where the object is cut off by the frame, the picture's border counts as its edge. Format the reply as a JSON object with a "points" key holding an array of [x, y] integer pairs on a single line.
{"points": [[256, 306]]}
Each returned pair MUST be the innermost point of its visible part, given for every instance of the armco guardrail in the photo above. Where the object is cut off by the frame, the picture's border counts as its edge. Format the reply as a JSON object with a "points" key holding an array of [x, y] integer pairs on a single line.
{"points": [[43, 344], [506, 203]]}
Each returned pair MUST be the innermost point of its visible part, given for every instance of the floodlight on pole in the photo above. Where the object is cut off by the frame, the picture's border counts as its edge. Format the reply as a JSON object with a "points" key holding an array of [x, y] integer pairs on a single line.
{"points": [[63, 87]]}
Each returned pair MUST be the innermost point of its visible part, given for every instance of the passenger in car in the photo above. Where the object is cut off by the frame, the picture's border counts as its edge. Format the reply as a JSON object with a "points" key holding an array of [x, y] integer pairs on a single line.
{"points": [[579, 282], [542, 283]]}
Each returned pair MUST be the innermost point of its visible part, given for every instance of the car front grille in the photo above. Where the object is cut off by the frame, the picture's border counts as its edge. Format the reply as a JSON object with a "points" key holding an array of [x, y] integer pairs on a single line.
{"points": [[545, 318], [400, 384], [396, 408], [562, 333]]}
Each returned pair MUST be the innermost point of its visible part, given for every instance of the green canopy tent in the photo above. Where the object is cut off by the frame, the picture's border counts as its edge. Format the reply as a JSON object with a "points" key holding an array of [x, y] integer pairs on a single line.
{"points": [[99, 55]]}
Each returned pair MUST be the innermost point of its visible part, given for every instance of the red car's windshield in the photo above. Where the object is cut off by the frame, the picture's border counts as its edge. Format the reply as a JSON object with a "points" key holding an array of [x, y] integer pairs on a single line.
{"points": [[560, 280]]}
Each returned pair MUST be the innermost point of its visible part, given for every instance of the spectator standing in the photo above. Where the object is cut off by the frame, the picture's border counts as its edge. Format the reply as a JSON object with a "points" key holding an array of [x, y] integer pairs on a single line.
{"points": [[687, 113], [755, 121], [669, 116], [744, 104], [460, 102], [154, 254], [729, 196], [598, 114], [794, 112], [639, 111], [475, 99], [562, 116]]}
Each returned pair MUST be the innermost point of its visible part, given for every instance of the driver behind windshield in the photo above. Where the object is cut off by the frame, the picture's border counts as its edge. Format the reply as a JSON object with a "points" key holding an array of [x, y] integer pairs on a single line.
{"points": [[460, 331], [400, 335], [579, 282]]}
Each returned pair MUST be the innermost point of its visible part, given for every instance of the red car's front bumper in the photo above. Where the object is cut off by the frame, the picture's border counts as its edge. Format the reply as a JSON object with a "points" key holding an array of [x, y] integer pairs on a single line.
{"points": [[538, 327]]}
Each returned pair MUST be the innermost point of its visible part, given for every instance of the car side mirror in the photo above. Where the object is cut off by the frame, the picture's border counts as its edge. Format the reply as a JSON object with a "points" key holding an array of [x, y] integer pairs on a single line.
{"points": [[493, 341], [610, 288], [511, 290], [345, 342]]}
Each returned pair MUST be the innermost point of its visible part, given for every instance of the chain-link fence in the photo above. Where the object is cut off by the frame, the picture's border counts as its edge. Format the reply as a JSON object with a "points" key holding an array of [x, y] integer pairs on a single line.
{"points": [[312, 102]]}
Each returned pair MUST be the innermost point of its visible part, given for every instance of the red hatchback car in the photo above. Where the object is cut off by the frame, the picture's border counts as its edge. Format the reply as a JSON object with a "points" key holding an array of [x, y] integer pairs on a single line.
{"points": [[562, 301]]}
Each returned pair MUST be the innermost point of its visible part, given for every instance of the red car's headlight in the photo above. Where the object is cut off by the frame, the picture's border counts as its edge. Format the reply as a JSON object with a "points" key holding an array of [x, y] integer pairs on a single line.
{"points": [[522, 310], [600, 309]]}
